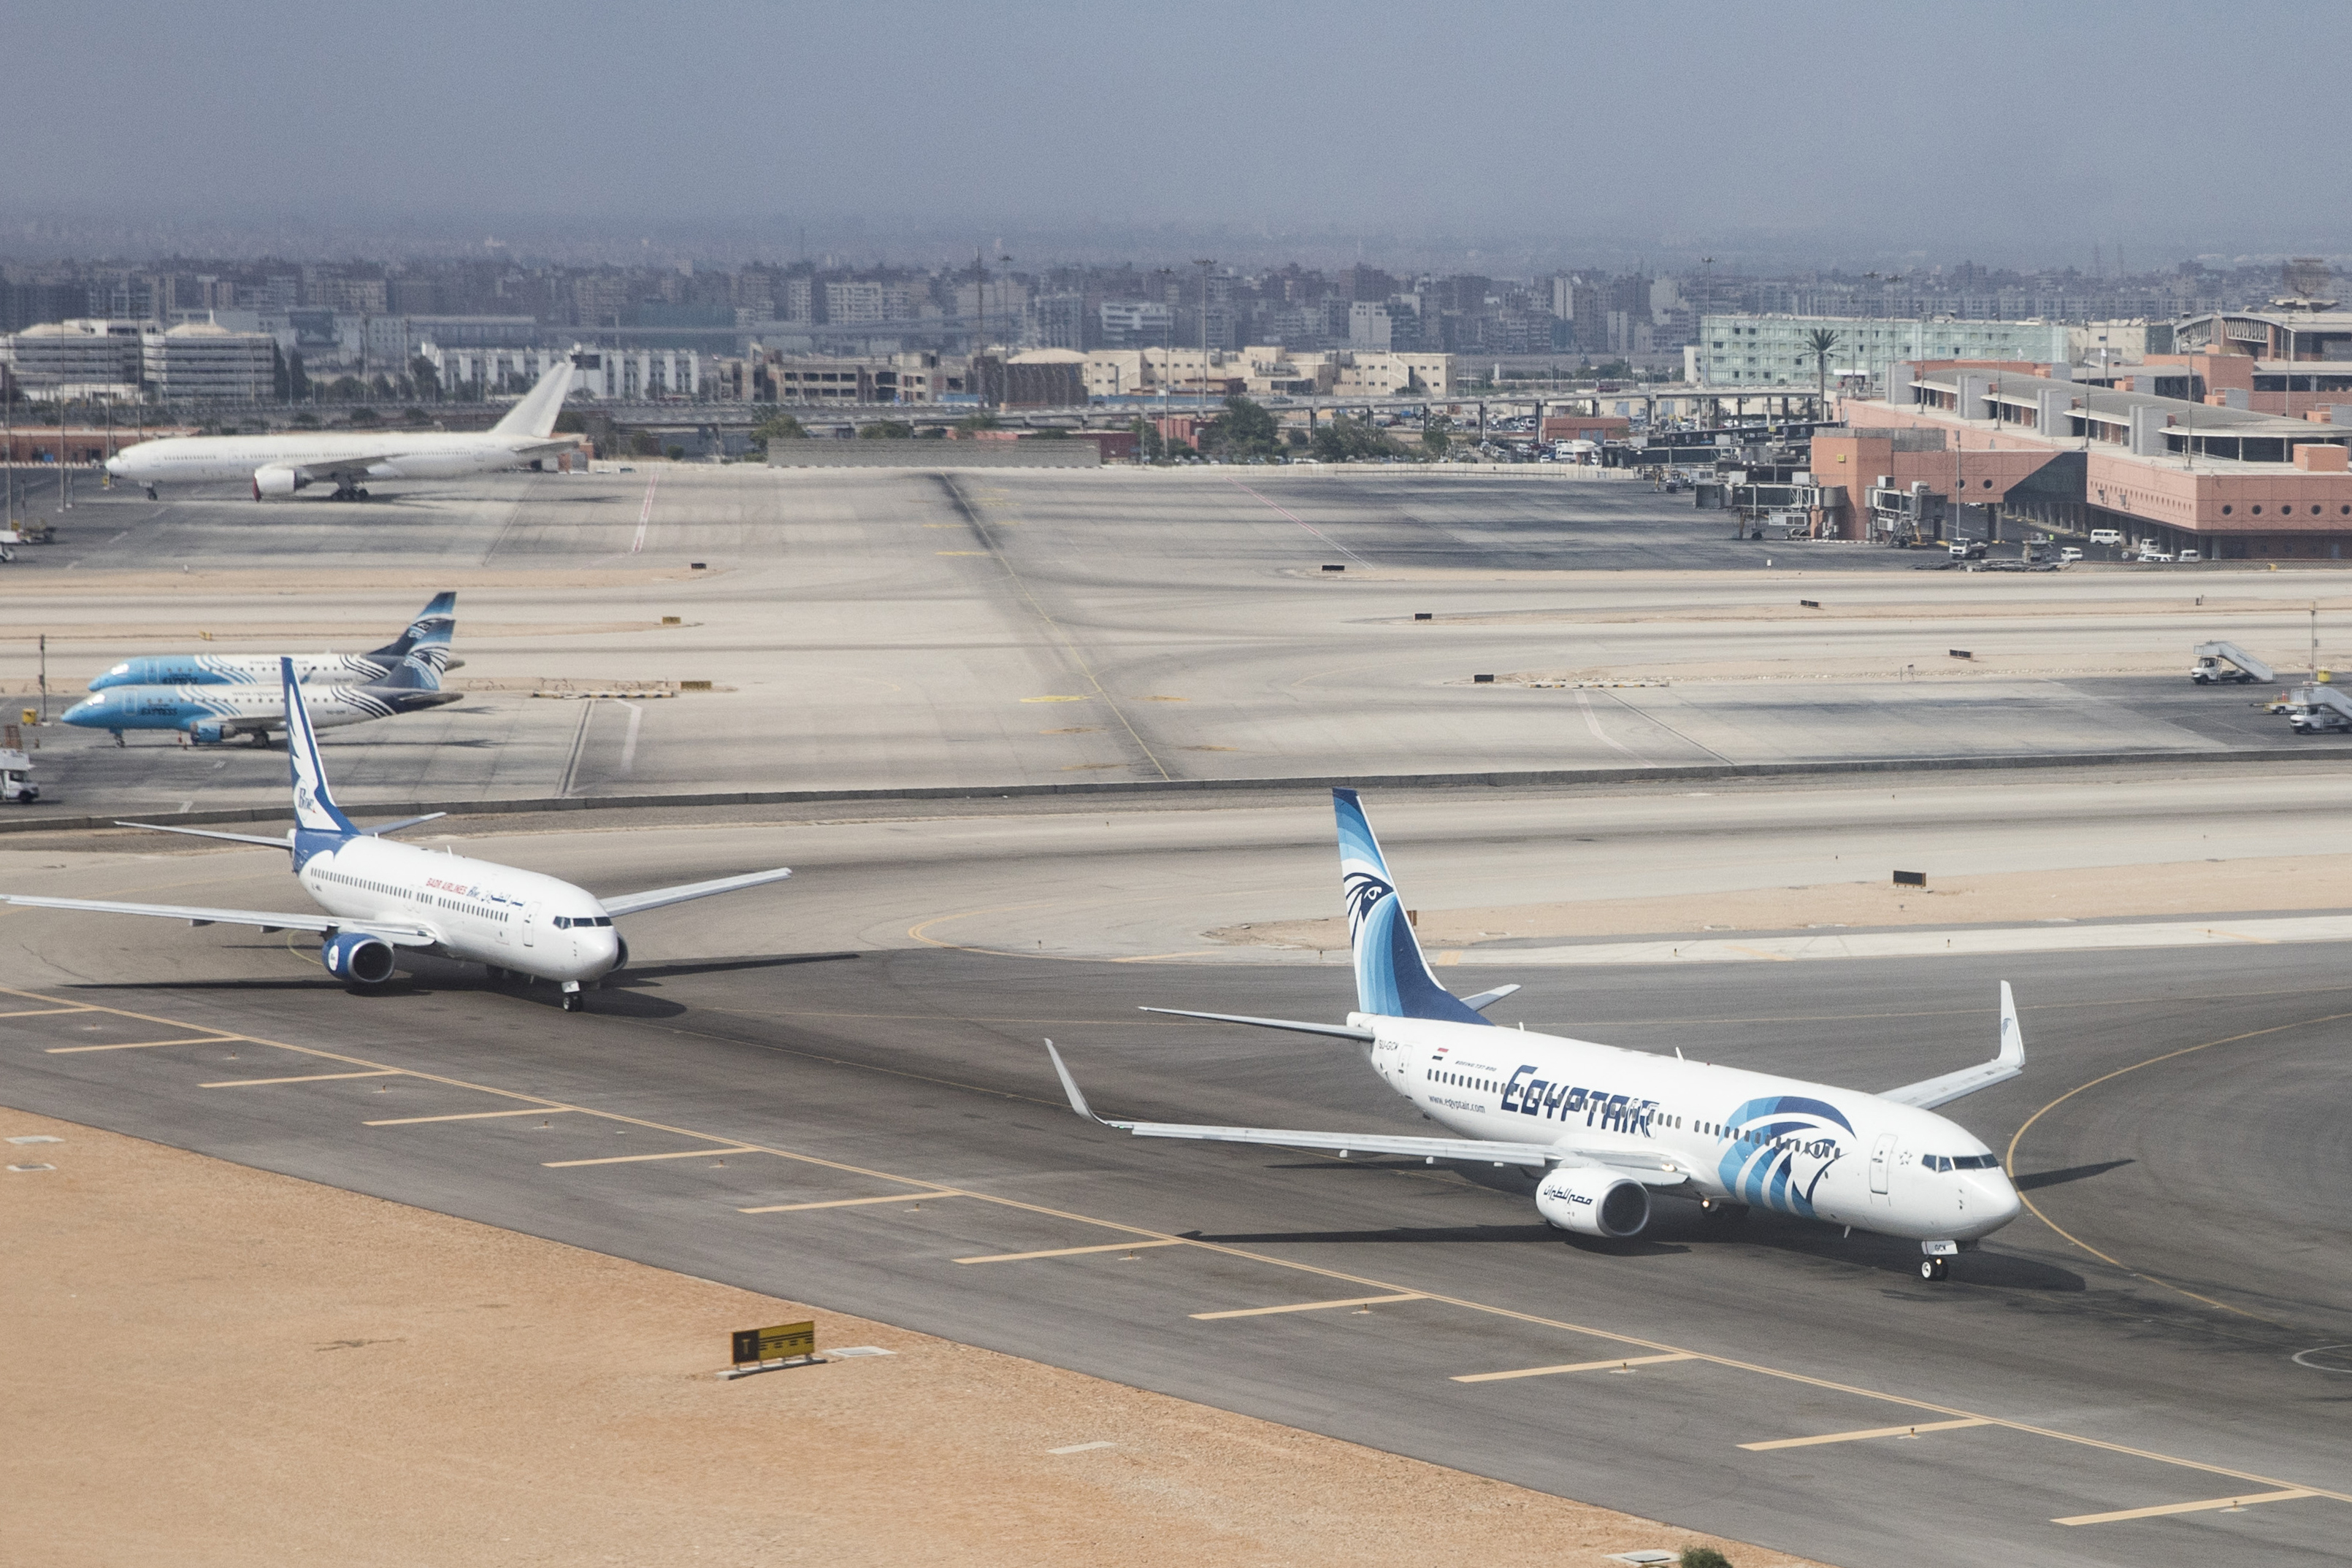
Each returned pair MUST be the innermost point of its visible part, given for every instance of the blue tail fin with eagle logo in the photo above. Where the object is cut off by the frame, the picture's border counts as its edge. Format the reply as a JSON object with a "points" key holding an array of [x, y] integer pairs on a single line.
{"points": [[1393, 978]]}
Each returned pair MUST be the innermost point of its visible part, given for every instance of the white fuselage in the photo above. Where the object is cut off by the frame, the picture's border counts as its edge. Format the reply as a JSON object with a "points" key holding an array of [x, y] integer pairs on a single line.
{"points": [[412, 454], [477, 910], [1807, 1149]]}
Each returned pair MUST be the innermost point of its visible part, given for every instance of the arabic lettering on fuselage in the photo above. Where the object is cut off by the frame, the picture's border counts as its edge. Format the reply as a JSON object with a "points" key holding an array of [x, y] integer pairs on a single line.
{"points": [[1527, 1096]]}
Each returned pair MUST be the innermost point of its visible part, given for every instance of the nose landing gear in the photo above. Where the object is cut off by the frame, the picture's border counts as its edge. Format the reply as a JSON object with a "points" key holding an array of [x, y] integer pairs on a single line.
{"points": [[1934, 1267], [572, 1000]]}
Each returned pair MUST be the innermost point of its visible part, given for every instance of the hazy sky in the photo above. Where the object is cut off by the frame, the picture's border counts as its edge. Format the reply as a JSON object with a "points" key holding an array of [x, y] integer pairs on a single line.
{"points": [[2001, 132]]}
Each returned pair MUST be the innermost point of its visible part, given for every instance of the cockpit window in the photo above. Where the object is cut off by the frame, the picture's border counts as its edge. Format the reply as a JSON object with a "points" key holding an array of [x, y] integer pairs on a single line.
{"points": [[1962, 1162]]}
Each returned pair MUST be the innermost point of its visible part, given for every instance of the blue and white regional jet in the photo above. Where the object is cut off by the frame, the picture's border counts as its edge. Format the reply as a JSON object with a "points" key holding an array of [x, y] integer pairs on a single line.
{"points": [[382, 898], [261, 669], [1607, 1128], [209, 714]]}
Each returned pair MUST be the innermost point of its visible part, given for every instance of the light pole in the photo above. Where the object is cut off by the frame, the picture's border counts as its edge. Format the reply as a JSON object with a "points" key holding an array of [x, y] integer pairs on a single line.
{"points": [[1204, 263], [1167, 350], [1004, 365]]}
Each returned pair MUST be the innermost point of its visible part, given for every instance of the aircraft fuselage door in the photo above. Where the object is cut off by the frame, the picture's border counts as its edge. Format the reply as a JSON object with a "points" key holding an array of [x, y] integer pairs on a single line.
{"points": [[1882, 1157], [529, 925]]}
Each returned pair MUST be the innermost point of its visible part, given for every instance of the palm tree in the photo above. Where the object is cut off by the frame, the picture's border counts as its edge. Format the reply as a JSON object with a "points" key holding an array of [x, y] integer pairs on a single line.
{"points": [[1819, 342]]}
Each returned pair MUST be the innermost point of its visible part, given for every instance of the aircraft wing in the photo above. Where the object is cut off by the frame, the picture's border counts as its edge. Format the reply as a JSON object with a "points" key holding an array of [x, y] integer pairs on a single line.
{"points": [[657, 897], [394, 932], [1644, 1164], [1931, 1092]]}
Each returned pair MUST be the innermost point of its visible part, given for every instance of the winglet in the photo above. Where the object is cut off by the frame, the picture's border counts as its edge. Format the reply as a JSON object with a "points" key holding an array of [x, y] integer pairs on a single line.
{"points": [[2012, 1039], [1070, 1085]]}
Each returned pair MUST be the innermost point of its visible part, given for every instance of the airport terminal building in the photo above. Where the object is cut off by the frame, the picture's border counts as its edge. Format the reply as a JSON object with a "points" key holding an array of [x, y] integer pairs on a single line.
{"points": [[2204, 471]]}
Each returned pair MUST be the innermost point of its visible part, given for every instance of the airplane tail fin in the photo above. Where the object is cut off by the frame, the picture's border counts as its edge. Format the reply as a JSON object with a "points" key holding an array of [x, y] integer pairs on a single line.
{"points": [[420, 672], [442, 610], [1393, 978], [535, 415], [315, 810]]}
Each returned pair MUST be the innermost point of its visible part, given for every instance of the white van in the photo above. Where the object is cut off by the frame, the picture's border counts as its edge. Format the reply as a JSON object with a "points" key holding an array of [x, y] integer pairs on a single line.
{"points": [[2107, 536]]}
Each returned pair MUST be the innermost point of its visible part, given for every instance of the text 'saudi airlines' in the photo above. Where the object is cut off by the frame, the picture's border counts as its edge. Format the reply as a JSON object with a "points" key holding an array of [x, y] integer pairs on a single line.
{"points": [[1608, 1129], [382, 898], [291, 460]]}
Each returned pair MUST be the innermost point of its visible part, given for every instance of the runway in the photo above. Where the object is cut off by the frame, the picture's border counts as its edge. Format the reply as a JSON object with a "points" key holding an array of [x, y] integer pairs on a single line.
{"points": [[796, 1094], [864, 631]]}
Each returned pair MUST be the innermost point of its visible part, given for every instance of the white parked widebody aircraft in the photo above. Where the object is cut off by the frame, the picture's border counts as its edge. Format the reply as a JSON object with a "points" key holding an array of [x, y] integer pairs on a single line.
{"points": [[288, 460], [382, 897], [1608, 1128]]}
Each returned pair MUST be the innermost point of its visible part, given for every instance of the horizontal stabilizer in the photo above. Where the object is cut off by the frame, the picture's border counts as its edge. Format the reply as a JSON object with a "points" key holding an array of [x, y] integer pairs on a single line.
{"points": [[377, 832], [1931, 1092], [276, 844], [1485, 999], [659, 897], [1336, 1031]]}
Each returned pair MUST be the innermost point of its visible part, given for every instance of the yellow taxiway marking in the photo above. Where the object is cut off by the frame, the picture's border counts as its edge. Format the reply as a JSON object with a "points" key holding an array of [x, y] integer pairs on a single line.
{"points": [[473, 1116], [1311, 1306], [1069, 1251], [640, 1159], [1062, 699], [1859, 1437], [845, 1202], [1138, 1233], [142, 1044], [1613, 1365], [2212, 1504], [306, 1078], [44, 1012]]}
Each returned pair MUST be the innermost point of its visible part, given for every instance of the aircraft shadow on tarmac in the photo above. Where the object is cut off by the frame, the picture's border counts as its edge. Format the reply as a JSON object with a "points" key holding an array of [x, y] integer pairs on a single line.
{"points": [[2036, 1180]]}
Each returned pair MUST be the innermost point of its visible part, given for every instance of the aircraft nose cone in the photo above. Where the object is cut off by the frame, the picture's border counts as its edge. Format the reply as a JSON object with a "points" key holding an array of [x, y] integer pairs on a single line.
{"points": [[84, 711], [115, 467]]}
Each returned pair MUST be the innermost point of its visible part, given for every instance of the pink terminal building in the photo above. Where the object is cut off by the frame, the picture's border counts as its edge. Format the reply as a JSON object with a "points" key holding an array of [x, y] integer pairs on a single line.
{"points": [[2186, 452]]}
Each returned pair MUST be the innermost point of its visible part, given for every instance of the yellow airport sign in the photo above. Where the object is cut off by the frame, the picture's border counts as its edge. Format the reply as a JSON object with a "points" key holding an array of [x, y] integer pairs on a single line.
{"points": [[781, 1342]]}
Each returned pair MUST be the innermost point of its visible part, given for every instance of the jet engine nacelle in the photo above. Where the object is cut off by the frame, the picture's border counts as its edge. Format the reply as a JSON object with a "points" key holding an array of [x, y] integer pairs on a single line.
{"points": [[276, 480], [621, 954], [209, 732], [1594, 1203], [358, 958]]}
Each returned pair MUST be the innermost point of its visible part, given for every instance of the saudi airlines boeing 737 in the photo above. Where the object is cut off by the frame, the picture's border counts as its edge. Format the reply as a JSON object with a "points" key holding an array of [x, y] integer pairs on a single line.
{"points": [[288, 460], [382, 897], [1607, 1128]]}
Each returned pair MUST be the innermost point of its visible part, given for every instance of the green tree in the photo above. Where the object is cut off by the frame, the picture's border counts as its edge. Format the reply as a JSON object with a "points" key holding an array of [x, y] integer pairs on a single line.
{"points": [[1245, 433], [1820, 342], [644, 444], [1434, 441], [363, 416], [980, 421], [1148, 444], [414, 416], [885, 430], [1345, 440], [1703, 1557], [777, 427], [427, 378], [572, 422]]}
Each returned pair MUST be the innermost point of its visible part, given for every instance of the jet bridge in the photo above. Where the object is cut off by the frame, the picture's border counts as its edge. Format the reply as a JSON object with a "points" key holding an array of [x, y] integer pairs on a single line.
{"points": [[2218, 662]]}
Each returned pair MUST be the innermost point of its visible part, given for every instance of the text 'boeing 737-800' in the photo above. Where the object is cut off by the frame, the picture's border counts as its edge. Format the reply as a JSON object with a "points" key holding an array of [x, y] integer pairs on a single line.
{"points": [[1606, 1129], [382, 898]]}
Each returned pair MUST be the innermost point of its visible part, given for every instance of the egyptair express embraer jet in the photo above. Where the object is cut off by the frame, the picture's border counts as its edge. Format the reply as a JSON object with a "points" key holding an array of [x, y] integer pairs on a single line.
{"points": [[380, 896], [291, 460], [1607, 1127]]}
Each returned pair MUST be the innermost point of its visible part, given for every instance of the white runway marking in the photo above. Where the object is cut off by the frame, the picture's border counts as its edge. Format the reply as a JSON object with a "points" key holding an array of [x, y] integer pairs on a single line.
{"points": [[646, 514]]}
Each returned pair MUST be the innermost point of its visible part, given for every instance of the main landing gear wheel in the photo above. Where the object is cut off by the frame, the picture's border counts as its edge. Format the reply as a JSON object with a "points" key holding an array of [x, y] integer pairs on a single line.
{"points": [[1934, 1267], [150, 494]]}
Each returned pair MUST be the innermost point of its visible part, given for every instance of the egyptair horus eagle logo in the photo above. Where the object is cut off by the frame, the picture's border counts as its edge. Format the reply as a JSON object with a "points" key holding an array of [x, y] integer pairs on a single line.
{"points": [[1363, 892]]}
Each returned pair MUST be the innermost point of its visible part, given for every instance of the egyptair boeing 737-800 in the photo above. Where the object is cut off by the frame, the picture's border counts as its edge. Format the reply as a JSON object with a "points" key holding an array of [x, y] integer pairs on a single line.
{"points": [[382, 897], [291, 460], [1606, 1128]]}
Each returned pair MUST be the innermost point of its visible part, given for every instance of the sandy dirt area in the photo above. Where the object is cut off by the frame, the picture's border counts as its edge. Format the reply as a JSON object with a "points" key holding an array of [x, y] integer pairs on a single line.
{"points": [[208, 1365], [2283, 883]]}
